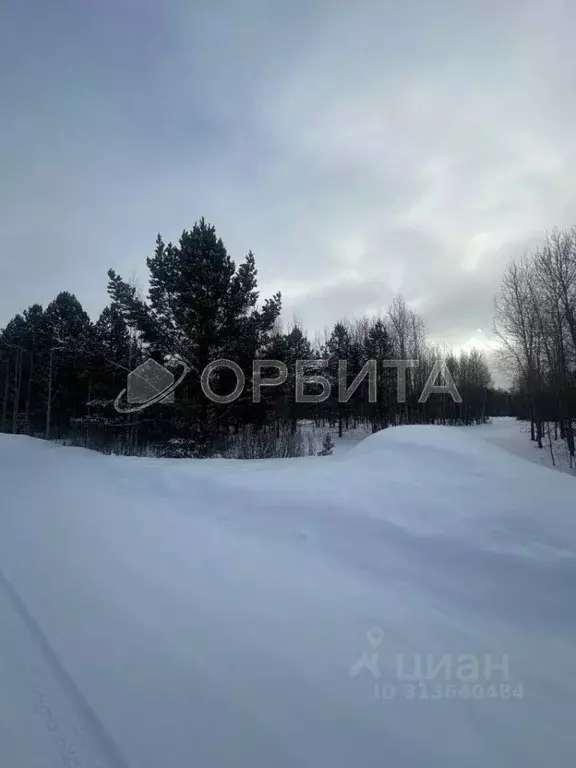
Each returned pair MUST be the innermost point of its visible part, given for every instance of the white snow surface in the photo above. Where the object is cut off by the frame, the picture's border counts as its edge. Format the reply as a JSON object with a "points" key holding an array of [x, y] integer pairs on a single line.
{"points": [[216, 614]]}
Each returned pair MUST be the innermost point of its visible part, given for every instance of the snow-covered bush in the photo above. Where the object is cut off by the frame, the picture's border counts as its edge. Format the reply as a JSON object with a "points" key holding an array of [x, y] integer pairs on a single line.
{"points": [[266, 443], [327, 445]]}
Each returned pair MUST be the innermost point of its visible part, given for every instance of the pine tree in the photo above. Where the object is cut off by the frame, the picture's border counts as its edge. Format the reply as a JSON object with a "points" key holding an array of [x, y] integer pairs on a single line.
{"points": [[68, 345], [379, 347], [202, 308], [338, 349]]}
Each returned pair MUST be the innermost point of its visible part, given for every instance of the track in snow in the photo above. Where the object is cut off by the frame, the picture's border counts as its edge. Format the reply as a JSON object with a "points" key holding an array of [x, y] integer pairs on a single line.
{"points": [[39, 700]]}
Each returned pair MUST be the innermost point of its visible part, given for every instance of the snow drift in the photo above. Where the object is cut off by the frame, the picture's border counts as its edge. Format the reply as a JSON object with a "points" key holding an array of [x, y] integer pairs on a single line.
{"points": [[224, 613]]}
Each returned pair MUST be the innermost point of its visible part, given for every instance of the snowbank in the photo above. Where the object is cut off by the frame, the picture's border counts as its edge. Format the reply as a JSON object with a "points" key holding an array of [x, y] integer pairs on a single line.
{"points": [[214, 613]]}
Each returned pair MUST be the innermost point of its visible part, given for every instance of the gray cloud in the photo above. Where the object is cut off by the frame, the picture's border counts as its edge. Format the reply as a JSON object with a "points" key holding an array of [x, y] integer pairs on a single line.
{"points": [[358, 151]]}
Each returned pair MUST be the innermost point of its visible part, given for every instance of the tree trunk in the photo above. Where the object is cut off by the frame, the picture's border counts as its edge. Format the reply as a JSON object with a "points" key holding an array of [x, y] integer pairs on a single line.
{"points": [[49, 403], [29, 392], [6, 392], [17, 381]]}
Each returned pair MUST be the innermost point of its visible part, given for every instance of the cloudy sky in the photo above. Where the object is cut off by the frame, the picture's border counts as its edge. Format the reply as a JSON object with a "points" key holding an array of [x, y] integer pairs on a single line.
{"points": [[359, 149]]}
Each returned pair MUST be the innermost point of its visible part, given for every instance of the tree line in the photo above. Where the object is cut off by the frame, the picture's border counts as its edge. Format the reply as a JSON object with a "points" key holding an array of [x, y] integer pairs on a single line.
{"points": [[60, 372], [535, 322]]}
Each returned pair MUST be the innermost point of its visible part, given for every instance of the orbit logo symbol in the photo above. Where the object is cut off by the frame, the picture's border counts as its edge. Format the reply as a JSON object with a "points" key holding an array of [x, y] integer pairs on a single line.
{"points": [[149, 384]]}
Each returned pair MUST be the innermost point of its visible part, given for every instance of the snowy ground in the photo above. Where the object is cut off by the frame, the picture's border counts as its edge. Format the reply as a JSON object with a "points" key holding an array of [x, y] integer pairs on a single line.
{"points": [[267, 613], [514, 436], [505, 432]]}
